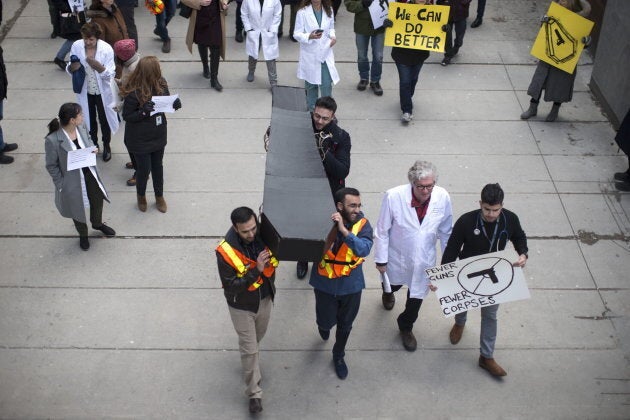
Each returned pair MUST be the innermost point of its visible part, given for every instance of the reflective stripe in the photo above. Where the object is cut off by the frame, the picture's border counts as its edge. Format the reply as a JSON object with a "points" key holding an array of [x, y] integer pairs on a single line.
{"points": [[242, 264], [340, 265]]}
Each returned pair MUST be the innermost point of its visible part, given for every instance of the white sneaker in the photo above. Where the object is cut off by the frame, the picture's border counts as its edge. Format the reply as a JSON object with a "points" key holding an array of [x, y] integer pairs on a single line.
{"points": [[406, 117]]}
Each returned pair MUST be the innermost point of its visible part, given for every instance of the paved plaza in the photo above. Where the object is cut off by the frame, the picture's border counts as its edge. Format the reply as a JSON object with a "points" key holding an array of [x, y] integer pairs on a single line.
{"points": [[137, 327]]}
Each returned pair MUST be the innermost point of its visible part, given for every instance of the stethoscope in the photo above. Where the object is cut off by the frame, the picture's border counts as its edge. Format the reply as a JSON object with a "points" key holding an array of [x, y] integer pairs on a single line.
{"points": [[477, 231]]}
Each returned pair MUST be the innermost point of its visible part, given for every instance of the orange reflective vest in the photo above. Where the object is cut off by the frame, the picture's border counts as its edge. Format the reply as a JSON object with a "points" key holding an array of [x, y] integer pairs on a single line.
{"points": [[341, 264], [242, 264]]}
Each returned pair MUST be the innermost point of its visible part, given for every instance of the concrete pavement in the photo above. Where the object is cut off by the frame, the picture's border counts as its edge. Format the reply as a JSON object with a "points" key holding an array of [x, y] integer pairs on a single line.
{"points": [[138, 328]]}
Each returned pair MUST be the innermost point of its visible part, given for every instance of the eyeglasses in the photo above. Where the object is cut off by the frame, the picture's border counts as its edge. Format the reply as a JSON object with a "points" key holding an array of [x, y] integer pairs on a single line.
{"points": [[321, 118], [425, 187]]}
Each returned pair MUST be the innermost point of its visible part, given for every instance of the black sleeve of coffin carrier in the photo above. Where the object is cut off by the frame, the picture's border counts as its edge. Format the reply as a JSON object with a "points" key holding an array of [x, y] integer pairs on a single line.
{"points": [[297, 203]]}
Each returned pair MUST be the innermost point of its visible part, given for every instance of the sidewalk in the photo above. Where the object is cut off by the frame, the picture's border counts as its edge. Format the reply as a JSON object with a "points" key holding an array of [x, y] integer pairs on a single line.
{"points": [[138, 327]]}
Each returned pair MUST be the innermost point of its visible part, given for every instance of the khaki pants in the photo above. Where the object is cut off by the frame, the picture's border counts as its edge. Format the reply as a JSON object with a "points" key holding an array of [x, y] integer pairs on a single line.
{"points": [[251, 328]]}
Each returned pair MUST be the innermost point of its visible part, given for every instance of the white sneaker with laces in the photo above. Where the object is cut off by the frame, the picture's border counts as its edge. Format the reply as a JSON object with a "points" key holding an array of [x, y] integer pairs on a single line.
{"points": [[406, 117]]}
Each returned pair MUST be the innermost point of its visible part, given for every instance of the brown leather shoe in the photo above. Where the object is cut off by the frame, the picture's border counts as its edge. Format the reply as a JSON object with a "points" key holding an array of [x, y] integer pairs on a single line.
{"points": [[456, 333], [160, 203], [142, 202], [409, 340], [388, 300], [491, 366], [255, 405]]}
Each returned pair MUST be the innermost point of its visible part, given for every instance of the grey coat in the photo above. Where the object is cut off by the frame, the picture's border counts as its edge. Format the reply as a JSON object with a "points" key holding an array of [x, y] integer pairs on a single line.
{"points": [[558, 84], [68, 185]]}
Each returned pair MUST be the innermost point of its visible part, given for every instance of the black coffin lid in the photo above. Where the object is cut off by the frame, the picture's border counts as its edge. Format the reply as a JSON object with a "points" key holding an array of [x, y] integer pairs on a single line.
{"points": [[297, 202]]}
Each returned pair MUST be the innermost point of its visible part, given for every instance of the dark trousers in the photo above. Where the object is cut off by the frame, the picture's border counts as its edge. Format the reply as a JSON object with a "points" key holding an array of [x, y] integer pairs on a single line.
{"points": [[95, 107], [481, 8], [95, 197], [412, 307], [239, 19], [333, 310], [460, 30], [130, 22], [150, 163], [54, 17], [293, 11]]}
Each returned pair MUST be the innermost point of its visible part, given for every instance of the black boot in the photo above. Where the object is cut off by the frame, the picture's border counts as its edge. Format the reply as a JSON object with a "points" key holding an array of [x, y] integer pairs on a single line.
{"points": [[107, 152], [203, 54], [214, 69]]}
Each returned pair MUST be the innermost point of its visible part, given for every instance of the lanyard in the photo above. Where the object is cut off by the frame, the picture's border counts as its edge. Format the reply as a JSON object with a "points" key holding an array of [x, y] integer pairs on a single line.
{"points": [[494, 234]]}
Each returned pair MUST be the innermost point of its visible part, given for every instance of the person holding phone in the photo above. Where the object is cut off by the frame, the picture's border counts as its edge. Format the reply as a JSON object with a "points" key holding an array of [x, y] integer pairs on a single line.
{"points": [[315, 31]]}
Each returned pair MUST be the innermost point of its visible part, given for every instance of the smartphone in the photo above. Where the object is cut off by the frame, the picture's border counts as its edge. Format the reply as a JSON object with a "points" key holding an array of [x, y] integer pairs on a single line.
{"points": [[319, 31]]}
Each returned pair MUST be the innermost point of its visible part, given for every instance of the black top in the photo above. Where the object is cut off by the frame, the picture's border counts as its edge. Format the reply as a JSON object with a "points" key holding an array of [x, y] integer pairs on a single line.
{"points": [[337, 156], [143, 133], [472, 236], [234, 287]]}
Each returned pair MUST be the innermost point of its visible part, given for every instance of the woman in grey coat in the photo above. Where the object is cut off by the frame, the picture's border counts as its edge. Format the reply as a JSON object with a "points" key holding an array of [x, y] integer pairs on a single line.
{"points": [[75, 190], [558, 84]]}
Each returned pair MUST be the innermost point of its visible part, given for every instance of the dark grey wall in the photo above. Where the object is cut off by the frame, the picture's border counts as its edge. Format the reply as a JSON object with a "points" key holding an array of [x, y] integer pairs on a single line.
{"points": [[610, 80]]}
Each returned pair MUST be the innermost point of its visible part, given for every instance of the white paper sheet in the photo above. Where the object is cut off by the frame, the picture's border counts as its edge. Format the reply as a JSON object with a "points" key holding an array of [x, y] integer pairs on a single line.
{"points": [[81, 158], [163, 103]]}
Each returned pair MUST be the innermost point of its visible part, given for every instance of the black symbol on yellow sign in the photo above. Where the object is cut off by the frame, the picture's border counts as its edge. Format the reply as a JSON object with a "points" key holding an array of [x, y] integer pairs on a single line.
{"points": [[560, 46]]}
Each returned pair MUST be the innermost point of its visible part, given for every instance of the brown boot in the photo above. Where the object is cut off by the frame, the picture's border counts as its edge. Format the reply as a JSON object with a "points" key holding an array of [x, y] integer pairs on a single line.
{"points": [[491, 366], [142, 203], [160, 203], [388, 300], [456, 333], [408, 340]]}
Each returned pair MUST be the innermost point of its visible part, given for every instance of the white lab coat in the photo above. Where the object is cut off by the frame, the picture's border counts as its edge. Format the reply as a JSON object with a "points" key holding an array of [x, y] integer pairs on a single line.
{"points": [[407, 247], [105, 56], [261, 25], [313, 52]]}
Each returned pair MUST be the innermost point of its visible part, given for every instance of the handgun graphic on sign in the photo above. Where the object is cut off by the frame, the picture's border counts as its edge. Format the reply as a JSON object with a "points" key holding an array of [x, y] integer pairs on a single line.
{"points": [[560, 46], [486, 276]]}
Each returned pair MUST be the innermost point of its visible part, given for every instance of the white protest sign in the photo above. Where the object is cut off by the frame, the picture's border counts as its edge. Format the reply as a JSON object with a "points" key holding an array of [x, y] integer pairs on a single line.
{"points": [[479, 281], [378, 12], [76, 5]]}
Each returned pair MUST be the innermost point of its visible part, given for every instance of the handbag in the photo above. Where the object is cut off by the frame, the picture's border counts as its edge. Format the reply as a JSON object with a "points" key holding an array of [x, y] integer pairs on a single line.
{"points": [[185, 11], [70, 25]]}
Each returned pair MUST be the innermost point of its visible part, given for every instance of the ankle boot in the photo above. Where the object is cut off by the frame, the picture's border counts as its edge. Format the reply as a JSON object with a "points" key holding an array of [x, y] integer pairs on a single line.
{"points": [[271, 72], [107, 153], [531, 111], [160, 203], [142, 202], [214, 69], [553, 114], [251, 67], [203, 54]]}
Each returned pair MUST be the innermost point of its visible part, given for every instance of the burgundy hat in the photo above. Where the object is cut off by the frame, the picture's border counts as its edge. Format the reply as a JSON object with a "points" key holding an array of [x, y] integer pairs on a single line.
{"points": [[125, 49]]}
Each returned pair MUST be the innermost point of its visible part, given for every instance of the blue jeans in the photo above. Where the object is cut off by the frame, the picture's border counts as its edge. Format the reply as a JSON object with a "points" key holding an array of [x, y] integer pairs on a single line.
{"points": [[378, 42], [164, 18], [65, 49], [408, 76], [325, 88], [488, 334]]}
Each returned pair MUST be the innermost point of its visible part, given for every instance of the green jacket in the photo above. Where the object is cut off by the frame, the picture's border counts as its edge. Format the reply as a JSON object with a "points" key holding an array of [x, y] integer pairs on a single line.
{"points": [[362, 20]]}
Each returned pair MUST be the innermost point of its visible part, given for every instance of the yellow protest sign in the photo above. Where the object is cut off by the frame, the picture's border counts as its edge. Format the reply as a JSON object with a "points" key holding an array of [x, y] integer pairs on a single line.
{"points": [[559, 41], [417, 26]]}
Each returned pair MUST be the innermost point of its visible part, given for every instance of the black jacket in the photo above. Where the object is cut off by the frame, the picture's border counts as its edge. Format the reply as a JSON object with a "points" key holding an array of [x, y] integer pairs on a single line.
{"points": [[234, 287], [337, 156], [466, 241], [143, 134]]}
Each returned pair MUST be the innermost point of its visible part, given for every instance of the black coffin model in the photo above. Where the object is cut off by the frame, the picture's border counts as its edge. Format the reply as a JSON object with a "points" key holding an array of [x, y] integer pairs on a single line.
{"points": [[297, 203]]}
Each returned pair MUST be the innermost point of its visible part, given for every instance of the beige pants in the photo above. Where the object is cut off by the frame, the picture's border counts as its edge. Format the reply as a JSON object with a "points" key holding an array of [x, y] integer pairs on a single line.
{"points": [[251, 328]]}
